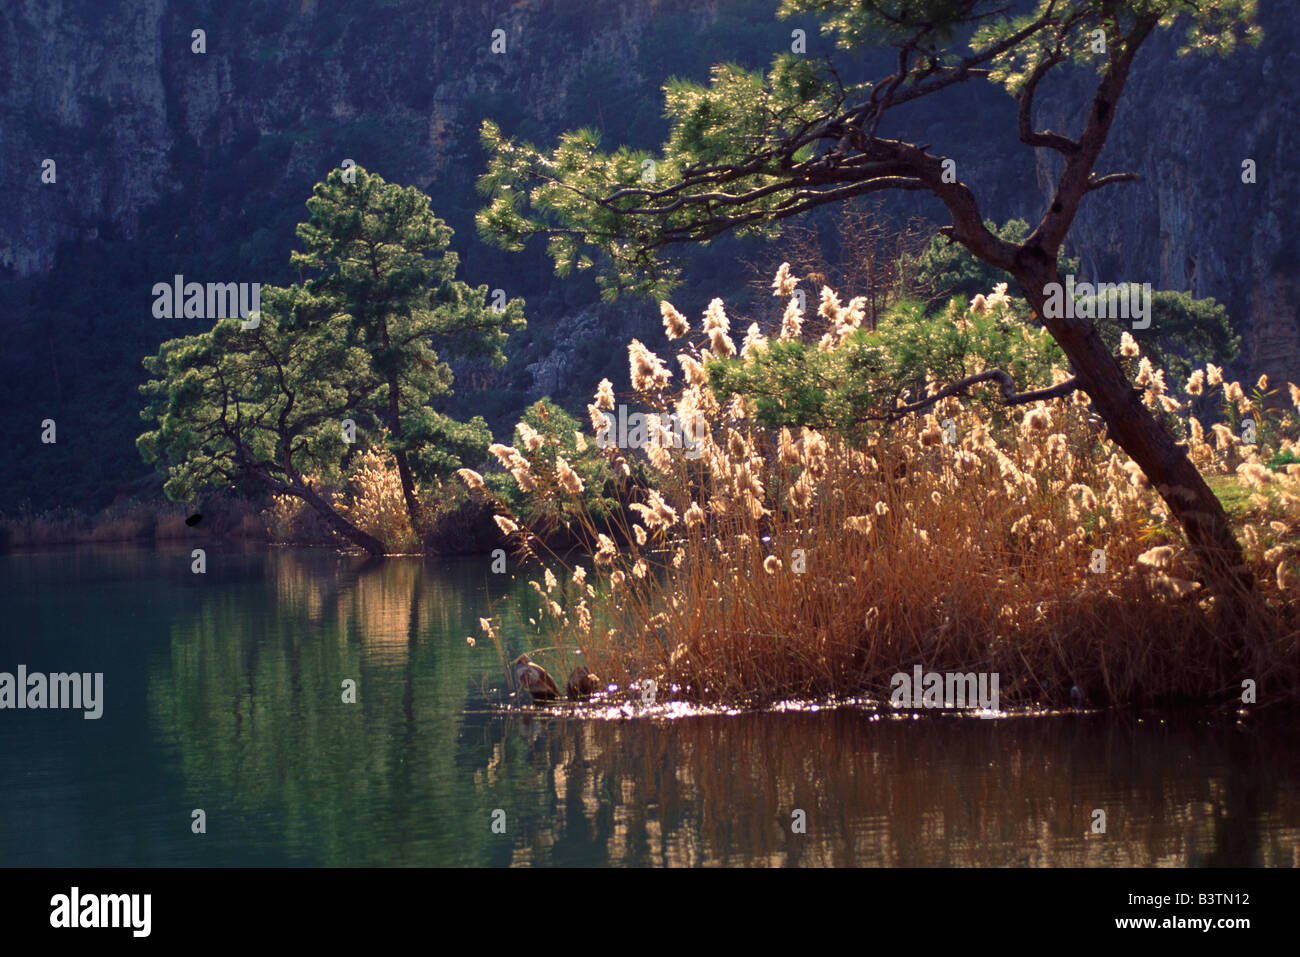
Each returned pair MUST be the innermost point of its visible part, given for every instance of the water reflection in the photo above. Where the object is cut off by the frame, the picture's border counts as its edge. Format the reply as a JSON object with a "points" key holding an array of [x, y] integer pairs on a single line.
{"points": [[882, 792], [226, 694], [256, 700]]}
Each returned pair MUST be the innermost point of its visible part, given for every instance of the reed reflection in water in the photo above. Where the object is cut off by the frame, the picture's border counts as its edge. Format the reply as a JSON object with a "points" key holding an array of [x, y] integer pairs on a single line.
{"points": [[888, 792], [224, 693]]}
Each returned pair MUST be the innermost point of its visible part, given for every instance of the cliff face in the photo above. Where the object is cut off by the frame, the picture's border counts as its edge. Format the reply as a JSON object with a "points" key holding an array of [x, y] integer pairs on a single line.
{"points": [[1186, 125], [87, 91], [174, 161], [116, 95]]}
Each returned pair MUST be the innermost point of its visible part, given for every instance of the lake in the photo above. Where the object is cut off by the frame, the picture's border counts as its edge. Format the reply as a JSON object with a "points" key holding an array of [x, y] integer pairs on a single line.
{"points": [[222, 692]]}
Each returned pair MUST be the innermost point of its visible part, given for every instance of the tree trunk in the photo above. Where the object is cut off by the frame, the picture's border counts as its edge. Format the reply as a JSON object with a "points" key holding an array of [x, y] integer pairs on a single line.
{"points": [[340, 524], [302, 490], [1132, 426], [413, 511]]}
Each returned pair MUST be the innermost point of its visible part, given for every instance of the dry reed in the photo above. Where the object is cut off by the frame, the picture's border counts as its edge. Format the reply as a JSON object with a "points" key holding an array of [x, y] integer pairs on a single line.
{"points": [[796, 564]]}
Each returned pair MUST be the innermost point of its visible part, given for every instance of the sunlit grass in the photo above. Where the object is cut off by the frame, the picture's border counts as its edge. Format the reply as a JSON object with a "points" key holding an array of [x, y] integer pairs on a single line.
{"points": [[801, 564]]}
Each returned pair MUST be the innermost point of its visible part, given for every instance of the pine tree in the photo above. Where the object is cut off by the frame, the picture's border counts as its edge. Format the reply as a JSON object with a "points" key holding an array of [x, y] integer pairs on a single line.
{"points": [[748, 150], [355, 342], [384, 263]]}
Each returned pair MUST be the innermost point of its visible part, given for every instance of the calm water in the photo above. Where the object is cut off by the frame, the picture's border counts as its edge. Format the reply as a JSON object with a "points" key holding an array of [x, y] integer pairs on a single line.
{"points": [[222, 692]]}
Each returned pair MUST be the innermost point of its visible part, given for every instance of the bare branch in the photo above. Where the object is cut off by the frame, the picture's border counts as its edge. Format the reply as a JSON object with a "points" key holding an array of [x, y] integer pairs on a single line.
{"points": [[1055, 141], [1097, 182], [1009, 394]]}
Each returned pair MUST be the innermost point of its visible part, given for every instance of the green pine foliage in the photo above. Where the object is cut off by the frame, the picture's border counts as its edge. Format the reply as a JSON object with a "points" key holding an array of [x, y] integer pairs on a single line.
{"points": [[854, 388], [383, 262], [358, 341]]}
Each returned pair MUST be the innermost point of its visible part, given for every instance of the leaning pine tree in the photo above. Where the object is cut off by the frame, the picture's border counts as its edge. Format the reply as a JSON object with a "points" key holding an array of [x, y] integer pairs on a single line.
{"points": [[748, 150], [268, 403], [384, 264]]}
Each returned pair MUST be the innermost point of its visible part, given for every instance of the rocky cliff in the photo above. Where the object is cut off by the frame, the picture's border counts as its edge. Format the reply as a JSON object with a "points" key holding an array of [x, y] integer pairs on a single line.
{"points": [[170, 160], [1187, 125]]}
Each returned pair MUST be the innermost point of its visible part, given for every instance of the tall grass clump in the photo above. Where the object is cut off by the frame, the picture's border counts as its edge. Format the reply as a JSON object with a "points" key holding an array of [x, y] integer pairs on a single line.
{"points": [[814, 539], [374, 502], [370, 497]]}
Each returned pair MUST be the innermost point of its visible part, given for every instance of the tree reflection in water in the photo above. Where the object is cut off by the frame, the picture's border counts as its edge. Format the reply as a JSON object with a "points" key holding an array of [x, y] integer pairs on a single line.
{"points": [[411, 774]]}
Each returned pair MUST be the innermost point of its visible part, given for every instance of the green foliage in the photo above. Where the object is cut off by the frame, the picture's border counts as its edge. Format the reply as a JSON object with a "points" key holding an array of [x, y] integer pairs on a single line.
{"points": [[1212, 27], [559, 433], [437, 445], [1184, 332], [946, 269], [356, 341], [872, 22], [232, 402], [585, 201], [855, 386], [385, 265]]}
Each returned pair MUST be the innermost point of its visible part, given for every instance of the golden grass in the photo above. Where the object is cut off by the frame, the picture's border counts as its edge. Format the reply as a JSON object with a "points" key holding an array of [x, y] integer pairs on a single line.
{"points": [[797, 565], [376, 504]]}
